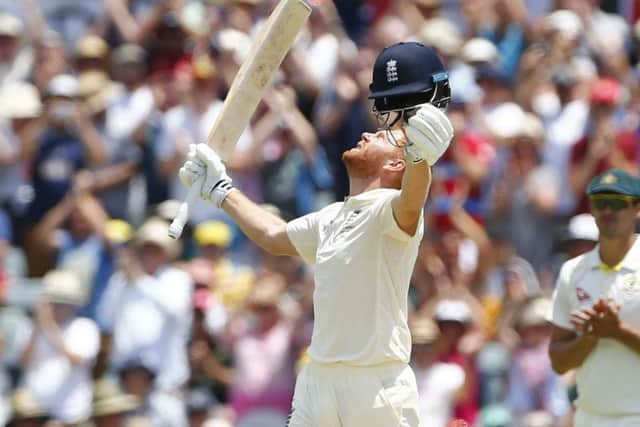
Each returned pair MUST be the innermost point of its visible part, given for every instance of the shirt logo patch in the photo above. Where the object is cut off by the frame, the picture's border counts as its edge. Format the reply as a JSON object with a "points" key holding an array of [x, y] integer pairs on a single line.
{"points": [[349, 223], [631, 284], [392, 70], [582, 295], [609, 179]]}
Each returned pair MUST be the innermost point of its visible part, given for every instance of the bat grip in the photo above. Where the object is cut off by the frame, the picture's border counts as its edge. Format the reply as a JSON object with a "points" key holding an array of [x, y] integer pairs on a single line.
{"points": [[178, 223]]}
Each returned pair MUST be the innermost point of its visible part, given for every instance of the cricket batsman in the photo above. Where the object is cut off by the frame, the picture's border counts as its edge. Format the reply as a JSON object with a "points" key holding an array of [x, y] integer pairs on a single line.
{"points": [[363, 249]]}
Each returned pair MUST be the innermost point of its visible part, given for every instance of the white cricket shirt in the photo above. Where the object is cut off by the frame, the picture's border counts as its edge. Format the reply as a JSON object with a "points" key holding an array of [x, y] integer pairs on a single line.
{"points": [[363, 264], [609, 379]]}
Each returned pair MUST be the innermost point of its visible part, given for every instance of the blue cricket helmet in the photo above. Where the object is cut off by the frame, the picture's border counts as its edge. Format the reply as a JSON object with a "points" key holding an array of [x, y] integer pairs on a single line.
{"points": [[406, 75]]}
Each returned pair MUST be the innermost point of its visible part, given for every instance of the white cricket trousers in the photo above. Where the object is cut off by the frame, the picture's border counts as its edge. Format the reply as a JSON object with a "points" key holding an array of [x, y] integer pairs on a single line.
{"points": [[585, 419], [338, 395]]}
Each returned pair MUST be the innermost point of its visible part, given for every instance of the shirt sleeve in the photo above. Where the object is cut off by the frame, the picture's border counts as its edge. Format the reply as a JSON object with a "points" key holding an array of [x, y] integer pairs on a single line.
{"points": [[304, 234], [561, 302], [388, 223]]}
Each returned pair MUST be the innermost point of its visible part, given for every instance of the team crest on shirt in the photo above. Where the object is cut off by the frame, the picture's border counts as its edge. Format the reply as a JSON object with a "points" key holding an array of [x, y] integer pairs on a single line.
{"points": [[631, 284], [582, 295], [349, 223]]}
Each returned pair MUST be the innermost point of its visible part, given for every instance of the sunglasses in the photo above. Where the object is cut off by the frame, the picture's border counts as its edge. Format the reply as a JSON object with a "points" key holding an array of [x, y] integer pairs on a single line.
{"points": [[614, 201]]}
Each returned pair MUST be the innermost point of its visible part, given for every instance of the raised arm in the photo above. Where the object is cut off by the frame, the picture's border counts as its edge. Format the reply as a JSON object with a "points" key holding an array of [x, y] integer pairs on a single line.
{"points": [[429, 133], [261, 226]]}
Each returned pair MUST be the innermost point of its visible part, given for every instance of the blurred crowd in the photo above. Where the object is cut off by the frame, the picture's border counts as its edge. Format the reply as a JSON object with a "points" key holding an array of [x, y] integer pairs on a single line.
{"points": [[106, 321]]}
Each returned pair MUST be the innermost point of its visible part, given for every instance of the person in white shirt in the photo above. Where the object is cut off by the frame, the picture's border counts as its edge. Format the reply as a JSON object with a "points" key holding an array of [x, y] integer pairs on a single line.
{"points": [[439, 383], [363, 249], [58, 359], [596, 310], [147, 307]]}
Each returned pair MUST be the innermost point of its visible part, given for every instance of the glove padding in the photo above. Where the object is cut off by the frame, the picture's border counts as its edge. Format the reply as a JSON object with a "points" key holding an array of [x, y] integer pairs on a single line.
{"points": [[429, 133], [204, 165]]}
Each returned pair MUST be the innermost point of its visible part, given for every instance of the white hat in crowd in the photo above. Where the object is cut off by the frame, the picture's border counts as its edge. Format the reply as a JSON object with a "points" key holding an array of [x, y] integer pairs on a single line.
{"points": [[566, 22], [506, 121], [155, 231], [64, 85], [583, 227], [535, 312], [478, 50], [450, 310], [20, 100], [64, 287], [442, 35], [10, 25]]}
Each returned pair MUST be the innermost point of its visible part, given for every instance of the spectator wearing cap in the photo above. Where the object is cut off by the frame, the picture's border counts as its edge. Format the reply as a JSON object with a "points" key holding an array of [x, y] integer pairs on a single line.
{"points": [[25, 410], [581, 235], [134, 103], [439, 383], [137, 379], [606, 144], [454, 319], [111, 181], [147, 306], [527, 192], [66, 145], [532, 385], [16, 58], [190, 123], [110, 405], [58, 358], [20, 105], [263, 354], [564, 111], [596, 329], [91, 53]]}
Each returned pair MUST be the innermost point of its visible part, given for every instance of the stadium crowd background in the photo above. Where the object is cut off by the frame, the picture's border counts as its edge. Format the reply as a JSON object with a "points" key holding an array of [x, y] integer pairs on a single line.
{"points": [[104, 319]]}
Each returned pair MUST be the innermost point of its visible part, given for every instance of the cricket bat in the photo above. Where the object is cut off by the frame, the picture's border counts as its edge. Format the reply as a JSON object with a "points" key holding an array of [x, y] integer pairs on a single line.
{"points": [[265, 56]]}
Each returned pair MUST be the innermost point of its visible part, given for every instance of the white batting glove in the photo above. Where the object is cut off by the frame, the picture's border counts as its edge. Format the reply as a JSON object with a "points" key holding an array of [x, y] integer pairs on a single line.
{"points": [[429, 133], [201, 162]]}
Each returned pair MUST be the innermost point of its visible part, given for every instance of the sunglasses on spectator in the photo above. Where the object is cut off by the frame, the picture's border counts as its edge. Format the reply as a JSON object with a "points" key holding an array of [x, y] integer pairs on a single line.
{"points": [[616, 202]]}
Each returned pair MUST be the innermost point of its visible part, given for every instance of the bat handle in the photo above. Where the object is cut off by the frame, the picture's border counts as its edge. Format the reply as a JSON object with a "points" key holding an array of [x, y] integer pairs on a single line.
{"points": [[178, 223]]}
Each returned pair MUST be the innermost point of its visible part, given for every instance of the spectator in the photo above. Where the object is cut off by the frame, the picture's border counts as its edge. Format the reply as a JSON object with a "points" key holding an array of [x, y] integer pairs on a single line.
{"points": [[110, 405], [111, 181], [147, 307], [16, 58], [533, 386], [58, 359], [20, 107], [605, 145], [439, 384], [91, 53], [262, 387], [158, 408], [453, 318], [581, 235], [66, 144], [25, 411]]}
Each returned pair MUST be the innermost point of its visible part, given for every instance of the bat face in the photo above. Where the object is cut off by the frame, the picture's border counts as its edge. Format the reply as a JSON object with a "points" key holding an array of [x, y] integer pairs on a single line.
{"points": [[264, 58]]}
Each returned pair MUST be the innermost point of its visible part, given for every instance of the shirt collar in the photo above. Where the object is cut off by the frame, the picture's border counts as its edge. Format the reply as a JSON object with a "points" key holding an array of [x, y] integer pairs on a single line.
{"points": [[367, 197], [631, 260]]}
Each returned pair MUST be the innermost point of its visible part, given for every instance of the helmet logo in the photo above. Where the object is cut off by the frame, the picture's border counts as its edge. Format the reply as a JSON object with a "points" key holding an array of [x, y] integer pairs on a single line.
{"points": [[392, 71]]}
